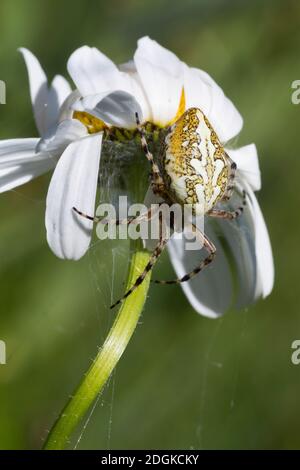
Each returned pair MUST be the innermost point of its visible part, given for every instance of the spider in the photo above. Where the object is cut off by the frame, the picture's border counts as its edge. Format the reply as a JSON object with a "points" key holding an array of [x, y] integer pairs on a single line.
{"points": [[192, 168]]}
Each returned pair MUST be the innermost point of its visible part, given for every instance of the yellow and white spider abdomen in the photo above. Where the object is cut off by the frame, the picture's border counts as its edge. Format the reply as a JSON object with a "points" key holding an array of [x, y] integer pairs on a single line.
{"points": [[195, 163]]}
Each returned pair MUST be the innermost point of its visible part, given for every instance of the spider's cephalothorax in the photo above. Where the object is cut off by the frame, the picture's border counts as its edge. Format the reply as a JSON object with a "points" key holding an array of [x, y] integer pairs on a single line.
{"points": [[195, 167], [192, 168]]}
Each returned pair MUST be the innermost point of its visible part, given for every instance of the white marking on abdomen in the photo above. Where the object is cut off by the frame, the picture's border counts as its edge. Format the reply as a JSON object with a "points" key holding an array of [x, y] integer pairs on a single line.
{"points": [[213, 198], [218, 167], [200, 169], [206, 146]]}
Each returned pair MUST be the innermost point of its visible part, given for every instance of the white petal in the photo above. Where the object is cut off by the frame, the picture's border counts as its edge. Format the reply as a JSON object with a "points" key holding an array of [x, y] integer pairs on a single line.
{"points": [[16, 149], [263, 249], [137, 90], [117, 108], [161, 75], [61, 87], [249, 244], [247, 162], [128, 67], [67, 131], [210, 292], [38, 89], [19, 163], [46, 102], [66, 110], [240, 242], [203, 92], [58, 92], [197, 92], [93, 72], [73, 184]]}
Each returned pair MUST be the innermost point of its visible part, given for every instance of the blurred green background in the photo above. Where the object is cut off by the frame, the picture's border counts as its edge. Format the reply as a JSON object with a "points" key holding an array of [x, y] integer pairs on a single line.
{"points": [[185, 381]]}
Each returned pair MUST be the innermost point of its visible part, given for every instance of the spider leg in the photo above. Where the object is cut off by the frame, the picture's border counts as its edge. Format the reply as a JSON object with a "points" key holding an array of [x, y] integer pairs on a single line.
{"points": [[211, 250], [149, 266], [127, 221], [231, 177], [223, 214], [157, 180]]}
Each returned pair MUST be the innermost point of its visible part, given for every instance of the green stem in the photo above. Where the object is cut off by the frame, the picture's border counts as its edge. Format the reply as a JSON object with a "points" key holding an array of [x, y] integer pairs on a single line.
{"points": [[106, 360]]}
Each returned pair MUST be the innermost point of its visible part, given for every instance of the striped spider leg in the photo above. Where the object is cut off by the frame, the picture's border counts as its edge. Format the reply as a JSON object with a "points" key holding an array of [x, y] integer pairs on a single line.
{"points": [[231, 178], [206, 243], [158, 187], [209, 247], [127, 221], [149, 266], [225, 214], [157, 182]]}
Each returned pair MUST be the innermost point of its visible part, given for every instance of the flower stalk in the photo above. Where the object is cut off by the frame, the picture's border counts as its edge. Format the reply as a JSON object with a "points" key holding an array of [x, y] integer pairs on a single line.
{"points": [[115, 344]]}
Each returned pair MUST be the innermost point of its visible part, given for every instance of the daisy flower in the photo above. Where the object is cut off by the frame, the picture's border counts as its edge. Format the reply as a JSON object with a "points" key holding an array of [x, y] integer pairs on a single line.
{"points": [[158, 86]]}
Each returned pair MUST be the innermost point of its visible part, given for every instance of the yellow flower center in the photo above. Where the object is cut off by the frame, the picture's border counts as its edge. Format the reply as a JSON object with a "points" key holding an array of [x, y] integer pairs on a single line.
{"points": [[92, 123], [180, 110], [95, 125]]}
